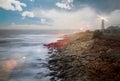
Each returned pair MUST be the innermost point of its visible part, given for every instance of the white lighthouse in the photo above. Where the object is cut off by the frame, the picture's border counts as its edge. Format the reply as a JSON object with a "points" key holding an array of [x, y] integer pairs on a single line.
{"points": [[103, 20], [102, 24]]}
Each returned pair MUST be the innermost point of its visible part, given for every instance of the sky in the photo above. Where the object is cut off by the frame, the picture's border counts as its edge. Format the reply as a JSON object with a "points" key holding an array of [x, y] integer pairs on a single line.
{"points": [[58, 14]]}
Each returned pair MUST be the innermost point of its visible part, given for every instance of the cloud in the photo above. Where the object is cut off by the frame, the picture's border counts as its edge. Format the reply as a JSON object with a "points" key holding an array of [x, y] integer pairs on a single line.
{"points": [[13, 5], [28, 14], [114, 18], [100, 5], [32, 0], [43, 21], [65, 4], [86, 18], [69, 20]]}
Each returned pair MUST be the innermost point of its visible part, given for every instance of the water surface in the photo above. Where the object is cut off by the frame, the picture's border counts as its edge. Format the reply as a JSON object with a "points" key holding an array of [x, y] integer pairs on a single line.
{"points": [[24, 58]]}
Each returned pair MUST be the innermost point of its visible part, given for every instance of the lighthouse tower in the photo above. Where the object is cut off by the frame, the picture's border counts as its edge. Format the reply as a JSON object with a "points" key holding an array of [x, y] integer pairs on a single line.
{"points": [[103, 24]]}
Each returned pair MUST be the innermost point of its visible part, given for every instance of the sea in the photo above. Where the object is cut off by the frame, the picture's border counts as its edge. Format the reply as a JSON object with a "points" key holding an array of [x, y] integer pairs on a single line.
{"points": [[23, 56]]}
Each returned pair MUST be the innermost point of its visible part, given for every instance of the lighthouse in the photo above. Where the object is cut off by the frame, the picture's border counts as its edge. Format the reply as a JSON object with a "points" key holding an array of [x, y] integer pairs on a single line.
{"points": [[102, 24], [103, 19]]}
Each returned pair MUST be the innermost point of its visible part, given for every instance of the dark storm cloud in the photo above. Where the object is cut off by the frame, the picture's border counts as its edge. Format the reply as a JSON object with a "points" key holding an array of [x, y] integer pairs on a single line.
{"points": [[99, 5]]}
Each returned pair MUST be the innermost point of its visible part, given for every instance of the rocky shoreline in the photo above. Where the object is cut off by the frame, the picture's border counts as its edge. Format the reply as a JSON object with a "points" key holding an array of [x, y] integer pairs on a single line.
{"points": [[85, 58]]}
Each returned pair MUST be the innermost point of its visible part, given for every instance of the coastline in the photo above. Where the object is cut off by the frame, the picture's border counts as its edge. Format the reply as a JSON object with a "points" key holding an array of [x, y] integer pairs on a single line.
{"points": [[81, 57]]}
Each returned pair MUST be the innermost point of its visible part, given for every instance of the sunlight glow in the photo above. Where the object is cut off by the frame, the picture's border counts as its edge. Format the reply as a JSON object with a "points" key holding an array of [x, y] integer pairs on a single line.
{"points": [[23, 58], [103, 18]]}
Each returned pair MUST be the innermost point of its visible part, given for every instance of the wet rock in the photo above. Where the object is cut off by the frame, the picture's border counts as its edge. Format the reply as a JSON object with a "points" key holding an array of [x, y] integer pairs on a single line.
{"points": [[40, 75], [39, 59]]}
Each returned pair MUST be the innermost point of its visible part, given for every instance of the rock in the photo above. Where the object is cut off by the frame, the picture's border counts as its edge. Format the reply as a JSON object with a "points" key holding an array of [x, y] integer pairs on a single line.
{"points": [[86, 59]]}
